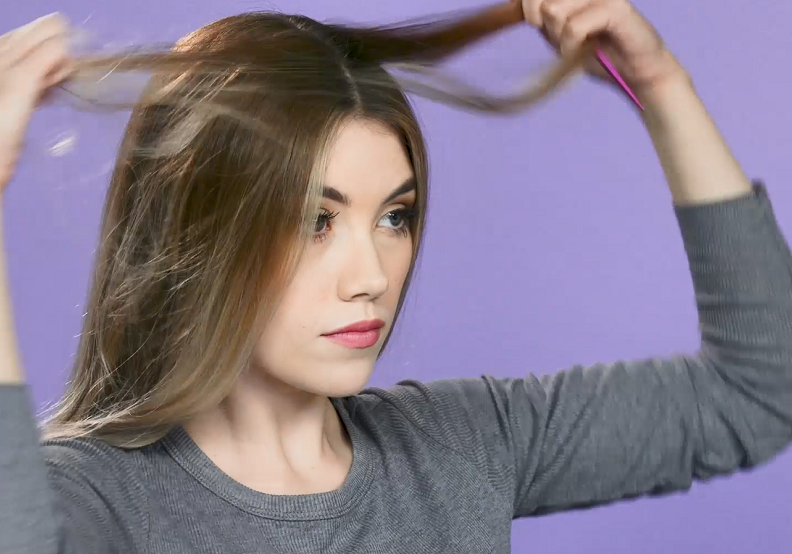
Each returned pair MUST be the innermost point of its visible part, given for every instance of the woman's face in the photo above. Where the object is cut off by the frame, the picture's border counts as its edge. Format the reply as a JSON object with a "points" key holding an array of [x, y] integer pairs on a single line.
{"points": [[352, 272]]}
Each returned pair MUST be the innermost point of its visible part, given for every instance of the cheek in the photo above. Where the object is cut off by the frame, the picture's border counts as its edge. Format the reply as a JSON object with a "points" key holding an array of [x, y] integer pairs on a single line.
{"points": [[296, 317], [397, 265]]}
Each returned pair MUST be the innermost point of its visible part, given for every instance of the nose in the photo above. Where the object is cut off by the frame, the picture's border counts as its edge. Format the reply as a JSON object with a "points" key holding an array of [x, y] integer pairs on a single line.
{"points": [[363, 276]]}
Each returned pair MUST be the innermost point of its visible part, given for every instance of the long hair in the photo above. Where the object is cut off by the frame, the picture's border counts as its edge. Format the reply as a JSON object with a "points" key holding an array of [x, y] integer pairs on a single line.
{"points": [[214, 192]]}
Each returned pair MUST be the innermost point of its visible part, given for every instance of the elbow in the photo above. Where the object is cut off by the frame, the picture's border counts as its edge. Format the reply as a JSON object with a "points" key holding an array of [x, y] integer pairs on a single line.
{"points": [[744, 410]]}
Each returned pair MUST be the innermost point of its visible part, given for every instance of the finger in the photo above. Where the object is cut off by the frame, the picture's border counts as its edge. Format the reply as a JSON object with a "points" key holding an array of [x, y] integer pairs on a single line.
{"points": [[21, 42], [555, 14], [42, 67], [595, 19], [45, 20], [61, 72], [532, 9]]}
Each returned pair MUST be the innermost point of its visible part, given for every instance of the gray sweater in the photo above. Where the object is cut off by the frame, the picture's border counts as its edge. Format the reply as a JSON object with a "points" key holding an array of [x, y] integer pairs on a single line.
{"points": [[444, 467]]}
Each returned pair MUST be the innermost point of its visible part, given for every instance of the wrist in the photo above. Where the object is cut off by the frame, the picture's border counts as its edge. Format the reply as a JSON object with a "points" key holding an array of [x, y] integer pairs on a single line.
{"points": [[667, 90], [671, 103]]}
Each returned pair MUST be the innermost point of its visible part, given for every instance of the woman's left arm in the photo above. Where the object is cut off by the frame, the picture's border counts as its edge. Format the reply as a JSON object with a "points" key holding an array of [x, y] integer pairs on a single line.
{"points": [[698, 165], [591, 435]]}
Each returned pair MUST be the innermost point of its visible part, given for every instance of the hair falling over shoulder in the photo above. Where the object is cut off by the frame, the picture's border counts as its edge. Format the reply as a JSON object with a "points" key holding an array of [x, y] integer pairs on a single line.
{"points": [[215, 187]]}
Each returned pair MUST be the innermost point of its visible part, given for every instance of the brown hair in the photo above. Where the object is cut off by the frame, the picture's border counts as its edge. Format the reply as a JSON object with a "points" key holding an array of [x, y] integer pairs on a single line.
{"points": [[215, 189]]}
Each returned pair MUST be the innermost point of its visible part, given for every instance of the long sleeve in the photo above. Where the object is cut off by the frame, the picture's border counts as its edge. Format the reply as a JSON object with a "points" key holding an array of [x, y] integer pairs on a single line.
{"points": [[59, 499], [591, 435]]}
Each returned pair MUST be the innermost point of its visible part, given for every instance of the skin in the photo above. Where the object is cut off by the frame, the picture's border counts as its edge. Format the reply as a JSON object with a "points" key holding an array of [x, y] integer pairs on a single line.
{"points": [[278, 426], [352, 271]]}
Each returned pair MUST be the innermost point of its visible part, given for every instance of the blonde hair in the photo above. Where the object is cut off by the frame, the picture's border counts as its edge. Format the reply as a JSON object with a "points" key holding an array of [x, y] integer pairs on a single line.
{"points": [[215, 190]]}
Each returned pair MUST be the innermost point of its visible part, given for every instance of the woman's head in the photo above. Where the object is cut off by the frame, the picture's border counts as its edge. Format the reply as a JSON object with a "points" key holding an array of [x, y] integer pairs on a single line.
{"points": [[270, 190], [241, 228]]}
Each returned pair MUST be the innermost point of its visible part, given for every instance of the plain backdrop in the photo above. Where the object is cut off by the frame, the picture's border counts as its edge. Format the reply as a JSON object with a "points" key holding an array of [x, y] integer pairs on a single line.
{"points": [[551, 242]]}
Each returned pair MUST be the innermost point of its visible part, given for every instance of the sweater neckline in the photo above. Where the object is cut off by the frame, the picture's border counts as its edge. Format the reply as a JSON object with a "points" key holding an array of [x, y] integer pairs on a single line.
{"points": [[305, 507]]}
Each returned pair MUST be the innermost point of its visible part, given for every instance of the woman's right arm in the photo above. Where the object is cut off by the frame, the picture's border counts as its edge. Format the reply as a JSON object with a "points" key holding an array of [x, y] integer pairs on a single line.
{"points": [[54, 499], [33, 58], [10, 366]]}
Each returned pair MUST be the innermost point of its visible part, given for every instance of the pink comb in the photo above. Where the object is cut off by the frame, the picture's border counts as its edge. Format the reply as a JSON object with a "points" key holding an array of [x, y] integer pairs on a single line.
{"points": [[611, 69]]}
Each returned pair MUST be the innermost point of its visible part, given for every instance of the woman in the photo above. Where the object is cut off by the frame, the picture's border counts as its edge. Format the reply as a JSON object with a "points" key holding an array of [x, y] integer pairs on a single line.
{"points": [[217, 403]]}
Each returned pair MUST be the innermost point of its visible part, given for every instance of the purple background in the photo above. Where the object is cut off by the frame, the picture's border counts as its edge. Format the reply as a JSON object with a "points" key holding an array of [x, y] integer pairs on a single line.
{"points": [[554, 227]]}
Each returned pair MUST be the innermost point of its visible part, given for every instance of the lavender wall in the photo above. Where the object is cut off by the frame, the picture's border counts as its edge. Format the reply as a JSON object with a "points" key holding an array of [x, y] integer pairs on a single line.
{"points": [[555, 228]]}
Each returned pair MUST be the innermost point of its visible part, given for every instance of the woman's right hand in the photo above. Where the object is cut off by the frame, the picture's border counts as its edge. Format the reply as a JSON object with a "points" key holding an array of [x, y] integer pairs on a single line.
{"points": [[33, 58]]}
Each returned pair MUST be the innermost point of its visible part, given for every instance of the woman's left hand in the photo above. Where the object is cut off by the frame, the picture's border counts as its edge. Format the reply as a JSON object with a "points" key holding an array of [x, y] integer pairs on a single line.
{"points": [[623, 34]]}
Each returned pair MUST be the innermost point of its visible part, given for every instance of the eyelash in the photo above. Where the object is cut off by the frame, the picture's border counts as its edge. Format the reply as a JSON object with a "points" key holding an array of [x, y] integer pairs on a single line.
{"points": [[325, 217]]}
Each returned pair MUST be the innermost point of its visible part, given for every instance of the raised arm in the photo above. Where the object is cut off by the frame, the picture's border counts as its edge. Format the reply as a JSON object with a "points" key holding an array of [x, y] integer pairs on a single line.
{"points": [[32, 59], [631, 428], [58, 506], [592, 435], [698, 165]]}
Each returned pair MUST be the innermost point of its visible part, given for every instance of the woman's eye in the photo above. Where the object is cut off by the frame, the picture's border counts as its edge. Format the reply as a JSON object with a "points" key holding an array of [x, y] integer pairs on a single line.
{"points": [[323, 224], [398, 220], [394, 219]]}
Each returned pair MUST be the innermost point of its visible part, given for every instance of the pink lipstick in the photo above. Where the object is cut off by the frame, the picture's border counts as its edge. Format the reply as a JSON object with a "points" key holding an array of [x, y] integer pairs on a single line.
{"points": [[363, 334]]}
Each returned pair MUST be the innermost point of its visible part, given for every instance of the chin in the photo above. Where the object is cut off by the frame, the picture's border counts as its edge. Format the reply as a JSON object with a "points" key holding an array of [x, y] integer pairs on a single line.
{"points": [[340, 379]]}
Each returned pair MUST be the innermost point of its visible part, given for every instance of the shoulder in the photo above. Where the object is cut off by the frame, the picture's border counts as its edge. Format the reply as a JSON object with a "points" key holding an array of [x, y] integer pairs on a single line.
{"points": [[92, 458], [444, 398], [76, 452], [476, 419], [100, 479], [451, 411]]}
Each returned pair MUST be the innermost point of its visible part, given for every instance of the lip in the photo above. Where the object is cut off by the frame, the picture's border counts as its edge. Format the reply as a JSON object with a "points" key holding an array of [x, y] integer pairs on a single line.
{"points": [[360, 335]]}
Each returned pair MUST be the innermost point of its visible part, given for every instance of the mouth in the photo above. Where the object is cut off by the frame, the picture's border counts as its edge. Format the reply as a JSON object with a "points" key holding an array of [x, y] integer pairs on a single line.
{"points": [[360, 335]]}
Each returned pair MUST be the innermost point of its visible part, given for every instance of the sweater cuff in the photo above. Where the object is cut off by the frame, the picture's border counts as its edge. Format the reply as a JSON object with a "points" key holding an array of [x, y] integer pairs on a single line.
{"points": [[736, 246]]}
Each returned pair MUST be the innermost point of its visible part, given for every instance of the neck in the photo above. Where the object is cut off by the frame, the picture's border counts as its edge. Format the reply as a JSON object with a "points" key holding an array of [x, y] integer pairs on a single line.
{"points": [[272, 437]]}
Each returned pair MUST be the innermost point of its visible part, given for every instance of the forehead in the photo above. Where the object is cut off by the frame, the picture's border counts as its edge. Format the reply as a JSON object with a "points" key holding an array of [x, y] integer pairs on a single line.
{"points": [[366, 156]]}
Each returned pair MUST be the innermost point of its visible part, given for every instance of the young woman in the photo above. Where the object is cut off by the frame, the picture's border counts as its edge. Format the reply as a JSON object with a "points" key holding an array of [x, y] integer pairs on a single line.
{"points": [[258, 239]]}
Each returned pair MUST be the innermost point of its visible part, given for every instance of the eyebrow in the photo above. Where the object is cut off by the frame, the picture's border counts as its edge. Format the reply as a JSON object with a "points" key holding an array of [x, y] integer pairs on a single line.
{"points": [[337, 196]]}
